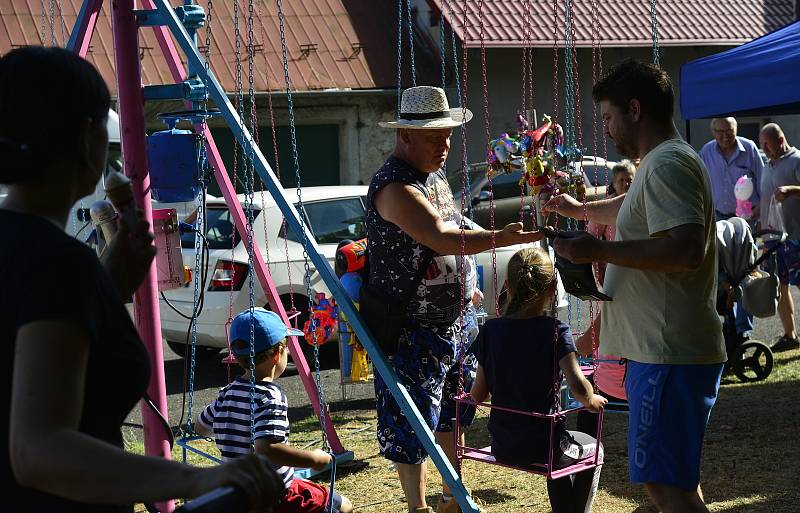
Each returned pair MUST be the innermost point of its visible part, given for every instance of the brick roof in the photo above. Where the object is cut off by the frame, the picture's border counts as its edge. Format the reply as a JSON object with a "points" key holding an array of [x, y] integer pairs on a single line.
{"points": [[332, 44], [623, 22]]}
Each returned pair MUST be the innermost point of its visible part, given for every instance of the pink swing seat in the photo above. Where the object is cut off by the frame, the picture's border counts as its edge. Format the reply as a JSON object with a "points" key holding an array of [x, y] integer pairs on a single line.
{"points": [[592, 459]]}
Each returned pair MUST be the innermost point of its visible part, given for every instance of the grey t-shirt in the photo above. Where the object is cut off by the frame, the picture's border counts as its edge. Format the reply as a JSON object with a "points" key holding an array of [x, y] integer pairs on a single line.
{"points": [[784, 171]]}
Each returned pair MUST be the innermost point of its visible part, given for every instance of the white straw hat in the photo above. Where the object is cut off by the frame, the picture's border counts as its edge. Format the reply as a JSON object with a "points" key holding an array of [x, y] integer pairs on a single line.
{"points": [[427, 107]]}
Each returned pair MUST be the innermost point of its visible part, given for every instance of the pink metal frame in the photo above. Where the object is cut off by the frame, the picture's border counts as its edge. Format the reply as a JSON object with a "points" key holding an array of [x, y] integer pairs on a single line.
{"points": [[132, 128], [546, 469]]}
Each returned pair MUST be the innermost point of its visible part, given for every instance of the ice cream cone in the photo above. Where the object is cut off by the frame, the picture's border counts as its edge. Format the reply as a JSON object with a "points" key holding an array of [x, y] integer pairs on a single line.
{"points": [[120, 193]]}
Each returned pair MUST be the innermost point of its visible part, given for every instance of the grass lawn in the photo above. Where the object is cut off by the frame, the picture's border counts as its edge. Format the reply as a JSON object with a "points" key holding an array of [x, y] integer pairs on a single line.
{"points": [[749, 463]]}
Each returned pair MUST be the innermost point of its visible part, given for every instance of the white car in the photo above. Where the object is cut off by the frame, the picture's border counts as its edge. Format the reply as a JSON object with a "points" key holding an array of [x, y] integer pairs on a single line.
{"points": [[335, 213]]}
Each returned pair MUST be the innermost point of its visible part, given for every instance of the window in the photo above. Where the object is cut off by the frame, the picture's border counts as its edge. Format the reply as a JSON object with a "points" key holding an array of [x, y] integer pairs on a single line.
{"points": [[506, 185], [220, 230], [336, 220], [597, 175]]}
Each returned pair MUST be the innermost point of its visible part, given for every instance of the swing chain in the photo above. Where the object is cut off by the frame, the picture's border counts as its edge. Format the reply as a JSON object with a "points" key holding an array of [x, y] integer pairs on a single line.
{"points": [[198, 242], [305, 242], [485, 90], [464, 173], [399, 55], [555, 61], [411, 44], [654, 26]]}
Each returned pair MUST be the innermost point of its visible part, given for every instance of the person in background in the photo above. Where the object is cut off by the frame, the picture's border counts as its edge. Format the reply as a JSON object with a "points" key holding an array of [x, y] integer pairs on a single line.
{"points": [[75, 365], [781, 180], [621, 177], [727, 158]]}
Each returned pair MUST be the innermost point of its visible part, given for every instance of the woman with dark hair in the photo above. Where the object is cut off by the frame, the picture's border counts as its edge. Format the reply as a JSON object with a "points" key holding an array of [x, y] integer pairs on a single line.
{"points": [[75, 365]]}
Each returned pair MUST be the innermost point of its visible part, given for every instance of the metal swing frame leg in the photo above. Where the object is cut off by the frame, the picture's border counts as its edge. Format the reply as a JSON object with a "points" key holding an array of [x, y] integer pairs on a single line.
{"points": [[400, 393], [132, 123]]}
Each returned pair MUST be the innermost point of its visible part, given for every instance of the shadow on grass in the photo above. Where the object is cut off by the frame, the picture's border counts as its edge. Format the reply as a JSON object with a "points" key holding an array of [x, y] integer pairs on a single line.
{"points": [[748, 461], [304, 412]]}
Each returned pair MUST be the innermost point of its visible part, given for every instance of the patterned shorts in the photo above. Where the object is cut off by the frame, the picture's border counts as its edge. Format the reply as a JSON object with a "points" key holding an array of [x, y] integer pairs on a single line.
{"points": [[788, 259], [427, 363]]}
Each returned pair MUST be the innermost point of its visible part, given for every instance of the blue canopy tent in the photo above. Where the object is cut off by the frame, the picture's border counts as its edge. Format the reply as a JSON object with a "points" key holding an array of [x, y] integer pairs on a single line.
{"points": [[761, 77]]}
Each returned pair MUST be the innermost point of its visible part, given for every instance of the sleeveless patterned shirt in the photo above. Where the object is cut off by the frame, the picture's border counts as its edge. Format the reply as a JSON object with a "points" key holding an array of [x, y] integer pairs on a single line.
{"points": [[395, 257]]}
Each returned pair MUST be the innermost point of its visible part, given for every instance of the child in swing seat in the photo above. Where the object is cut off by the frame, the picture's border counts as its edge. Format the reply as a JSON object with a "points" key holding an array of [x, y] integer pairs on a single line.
{"points": [[519, 355], [228, 418]]}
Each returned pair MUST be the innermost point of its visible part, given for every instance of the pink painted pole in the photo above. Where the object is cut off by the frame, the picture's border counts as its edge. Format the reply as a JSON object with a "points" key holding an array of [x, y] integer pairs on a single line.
{"points": [[240, 221], [132, 129]]}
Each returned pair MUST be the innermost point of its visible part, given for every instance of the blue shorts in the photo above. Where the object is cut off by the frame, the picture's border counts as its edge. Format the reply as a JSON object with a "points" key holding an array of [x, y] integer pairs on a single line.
{"points": [[427, 364], [788, 260], [669, 410]]}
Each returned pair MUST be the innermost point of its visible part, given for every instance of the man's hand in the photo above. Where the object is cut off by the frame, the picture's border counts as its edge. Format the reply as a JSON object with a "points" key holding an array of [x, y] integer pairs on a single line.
{"points": [[578, 247], [512, 234], [564, 205], [783, 192]]}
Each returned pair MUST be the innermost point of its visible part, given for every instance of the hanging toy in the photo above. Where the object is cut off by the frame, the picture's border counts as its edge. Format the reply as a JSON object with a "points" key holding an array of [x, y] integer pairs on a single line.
{"points": [[322, 321], [501, 152], [743, 190]]}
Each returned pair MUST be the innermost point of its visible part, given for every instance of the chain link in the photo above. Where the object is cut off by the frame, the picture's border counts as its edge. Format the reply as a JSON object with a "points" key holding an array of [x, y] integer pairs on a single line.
{"points": [[464, 173], [197, 282], [442, 52], [399, 55], [487, 135], [654, 26], [555, 62], [52, 20], [411, 44], [307, 268]]}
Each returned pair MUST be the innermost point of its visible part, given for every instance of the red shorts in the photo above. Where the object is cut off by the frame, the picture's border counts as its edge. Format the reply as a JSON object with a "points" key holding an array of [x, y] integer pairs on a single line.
{"points": [[307, 497]]}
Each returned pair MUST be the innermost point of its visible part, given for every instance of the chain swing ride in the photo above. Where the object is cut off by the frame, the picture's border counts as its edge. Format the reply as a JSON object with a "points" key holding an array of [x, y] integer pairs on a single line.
{"points": [[543, 151]]}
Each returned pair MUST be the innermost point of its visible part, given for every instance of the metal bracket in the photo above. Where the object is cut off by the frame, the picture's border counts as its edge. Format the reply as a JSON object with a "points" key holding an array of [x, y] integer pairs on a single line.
{"points": [[192, 89]]}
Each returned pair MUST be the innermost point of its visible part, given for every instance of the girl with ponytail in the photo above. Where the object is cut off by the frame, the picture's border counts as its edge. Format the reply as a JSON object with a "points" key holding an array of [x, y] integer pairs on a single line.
{"points": [[520, 357]]}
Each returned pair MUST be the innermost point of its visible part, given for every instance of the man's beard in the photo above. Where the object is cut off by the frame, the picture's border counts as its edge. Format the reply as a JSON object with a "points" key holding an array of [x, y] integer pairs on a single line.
{"points": [[624, 150]]}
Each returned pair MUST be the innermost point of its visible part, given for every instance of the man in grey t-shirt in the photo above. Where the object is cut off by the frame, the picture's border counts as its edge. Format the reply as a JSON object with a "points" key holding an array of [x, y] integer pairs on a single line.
{"points": [[779, 181]]}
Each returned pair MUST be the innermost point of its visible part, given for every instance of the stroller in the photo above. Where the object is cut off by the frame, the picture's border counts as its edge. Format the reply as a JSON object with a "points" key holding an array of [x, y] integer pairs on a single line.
{"points": [[741, 279]]}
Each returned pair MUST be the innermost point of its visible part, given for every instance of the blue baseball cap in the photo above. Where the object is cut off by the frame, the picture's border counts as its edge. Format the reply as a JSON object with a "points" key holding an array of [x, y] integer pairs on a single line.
{"points": [[268, 329]]}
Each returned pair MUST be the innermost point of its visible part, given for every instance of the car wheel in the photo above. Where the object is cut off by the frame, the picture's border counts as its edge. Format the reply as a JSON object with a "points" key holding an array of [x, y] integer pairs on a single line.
{"points": [[200, 352]]}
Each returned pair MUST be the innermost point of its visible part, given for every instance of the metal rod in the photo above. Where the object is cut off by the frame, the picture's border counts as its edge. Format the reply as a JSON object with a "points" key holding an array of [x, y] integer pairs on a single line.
{"points": [[82, 31]]}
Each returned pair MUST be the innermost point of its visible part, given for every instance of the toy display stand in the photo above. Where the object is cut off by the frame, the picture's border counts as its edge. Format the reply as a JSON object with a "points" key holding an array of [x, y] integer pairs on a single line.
{"points": [[348, 381]]}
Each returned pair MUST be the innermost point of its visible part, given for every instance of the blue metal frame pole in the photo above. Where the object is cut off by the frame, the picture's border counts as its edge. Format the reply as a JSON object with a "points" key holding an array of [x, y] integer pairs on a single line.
{"points": [[82, 31], [217, 93]]}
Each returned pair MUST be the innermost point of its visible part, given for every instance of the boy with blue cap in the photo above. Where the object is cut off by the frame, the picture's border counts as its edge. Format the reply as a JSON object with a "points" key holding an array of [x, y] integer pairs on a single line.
{"points": [[228, 417]]}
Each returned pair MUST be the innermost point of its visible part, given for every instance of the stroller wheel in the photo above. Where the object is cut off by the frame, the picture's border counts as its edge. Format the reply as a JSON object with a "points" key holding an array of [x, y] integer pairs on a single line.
{"points": [[752, 361]]}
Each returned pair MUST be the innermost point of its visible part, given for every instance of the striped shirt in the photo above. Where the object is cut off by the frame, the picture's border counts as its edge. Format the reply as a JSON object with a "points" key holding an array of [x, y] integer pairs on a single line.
{"points": [[229, 417]]}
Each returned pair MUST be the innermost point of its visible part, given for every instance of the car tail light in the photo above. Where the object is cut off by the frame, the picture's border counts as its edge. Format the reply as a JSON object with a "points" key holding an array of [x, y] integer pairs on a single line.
{"points": [[228, 276]]}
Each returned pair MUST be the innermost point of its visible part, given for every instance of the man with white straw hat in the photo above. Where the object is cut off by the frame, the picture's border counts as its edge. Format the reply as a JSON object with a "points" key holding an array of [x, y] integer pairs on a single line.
{"points": [[415, 239]]}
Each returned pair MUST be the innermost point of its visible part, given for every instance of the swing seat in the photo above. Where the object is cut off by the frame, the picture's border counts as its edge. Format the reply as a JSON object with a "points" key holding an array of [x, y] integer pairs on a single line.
{"points": [[308, 473], [185, 443], [551, 469]]}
